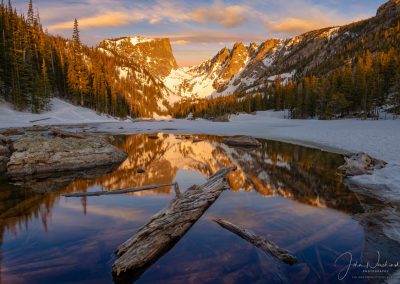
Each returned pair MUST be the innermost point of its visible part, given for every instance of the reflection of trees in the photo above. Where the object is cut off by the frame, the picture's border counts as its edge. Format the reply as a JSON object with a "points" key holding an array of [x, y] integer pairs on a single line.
{"points": [[303, 174]]}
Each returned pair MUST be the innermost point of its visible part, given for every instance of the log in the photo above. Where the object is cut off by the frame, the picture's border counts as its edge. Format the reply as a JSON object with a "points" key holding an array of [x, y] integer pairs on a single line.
{"points": [[119, 191], [242, 141], [64, 134], [265, 245], [166, 228], [42, 119]]}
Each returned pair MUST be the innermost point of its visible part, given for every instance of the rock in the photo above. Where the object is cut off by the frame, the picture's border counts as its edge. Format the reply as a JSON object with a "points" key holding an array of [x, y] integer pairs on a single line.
{"points": [[222, 118], [140, 170], [5, 152], [12, 131], [360, 164], [153, 137], [242, 141], [37, 155]]}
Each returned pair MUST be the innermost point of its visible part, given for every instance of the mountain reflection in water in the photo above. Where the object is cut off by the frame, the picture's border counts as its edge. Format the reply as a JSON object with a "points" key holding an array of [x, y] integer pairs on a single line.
{"points": [[305, 208]]}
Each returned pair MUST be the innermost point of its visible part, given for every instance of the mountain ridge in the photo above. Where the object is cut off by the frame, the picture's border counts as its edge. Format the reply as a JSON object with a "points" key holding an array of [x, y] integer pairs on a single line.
{"points": [[248, 68]]}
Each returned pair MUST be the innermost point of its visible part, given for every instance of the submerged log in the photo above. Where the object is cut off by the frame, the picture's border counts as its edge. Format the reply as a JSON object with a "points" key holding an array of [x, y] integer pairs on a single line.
{"points": [[242, 141], [265, 245], [65, 134], [42, 119], [120, 191], [166, 228]]}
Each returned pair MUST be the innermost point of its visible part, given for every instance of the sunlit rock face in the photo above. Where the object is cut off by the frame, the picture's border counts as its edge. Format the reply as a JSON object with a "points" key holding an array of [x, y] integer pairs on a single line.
{"points": [[154, 54]]}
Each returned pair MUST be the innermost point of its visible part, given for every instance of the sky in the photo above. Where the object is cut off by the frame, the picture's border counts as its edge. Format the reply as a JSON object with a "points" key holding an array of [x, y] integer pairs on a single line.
{"points": [[197, 29]]}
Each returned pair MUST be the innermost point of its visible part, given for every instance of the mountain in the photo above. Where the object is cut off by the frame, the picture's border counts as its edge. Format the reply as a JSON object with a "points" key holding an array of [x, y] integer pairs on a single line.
{"points": [[154, 54], [247, 69], [251, 68]]}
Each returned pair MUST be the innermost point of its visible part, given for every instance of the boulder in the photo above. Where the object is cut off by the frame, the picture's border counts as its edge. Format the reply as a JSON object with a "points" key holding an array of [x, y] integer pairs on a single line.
{"points": [[35, 154], [5, 152], [242, 141], [360, 164]]}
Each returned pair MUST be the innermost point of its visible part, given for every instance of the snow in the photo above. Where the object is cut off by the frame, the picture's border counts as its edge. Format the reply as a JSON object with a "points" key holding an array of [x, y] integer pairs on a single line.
{"points": [[285, 77], [107, 52], [61, 112], [123, 72], [196, 85], [138, 39]]}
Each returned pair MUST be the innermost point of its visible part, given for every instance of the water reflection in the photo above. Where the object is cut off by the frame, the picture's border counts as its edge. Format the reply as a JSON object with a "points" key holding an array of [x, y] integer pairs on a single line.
{"points": [[306, 208]]}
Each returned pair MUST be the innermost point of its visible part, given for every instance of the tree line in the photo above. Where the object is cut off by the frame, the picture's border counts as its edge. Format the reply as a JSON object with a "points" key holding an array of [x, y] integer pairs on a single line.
{"points": [[34, 66], [363, 87]]}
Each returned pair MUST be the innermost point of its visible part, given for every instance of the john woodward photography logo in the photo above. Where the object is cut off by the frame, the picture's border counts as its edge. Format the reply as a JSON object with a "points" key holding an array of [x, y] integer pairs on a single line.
{"points": [[371, 269]]}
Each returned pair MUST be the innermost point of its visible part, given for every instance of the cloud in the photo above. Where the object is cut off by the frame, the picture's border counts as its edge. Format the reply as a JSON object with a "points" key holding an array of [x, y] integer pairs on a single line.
{"points": [[109, 19], [205, 37], [181, 42], [227, 16], [295, 25], [106, 15]]}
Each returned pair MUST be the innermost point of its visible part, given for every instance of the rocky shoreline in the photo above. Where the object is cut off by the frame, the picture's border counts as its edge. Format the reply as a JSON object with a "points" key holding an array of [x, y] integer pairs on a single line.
{"points": [[46, 153]]}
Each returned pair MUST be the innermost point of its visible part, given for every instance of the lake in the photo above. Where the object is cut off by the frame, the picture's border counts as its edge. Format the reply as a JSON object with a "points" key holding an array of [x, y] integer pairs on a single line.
{"points": [[285, 193]]}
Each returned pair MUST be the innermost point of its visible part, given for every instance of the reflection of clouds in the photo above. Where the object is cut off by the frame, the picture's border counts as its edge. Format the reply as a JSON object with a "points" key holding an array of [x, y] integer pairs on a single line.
{"points": [[115, 213]]}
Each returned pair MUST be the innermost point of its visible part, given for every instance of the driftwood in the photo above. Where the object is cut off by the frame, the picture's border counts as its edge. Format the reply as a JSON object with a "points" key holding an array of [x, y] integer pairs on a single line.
{"points": [[166, 228], [265, 245], [64, 134], [120, 191], [42, 119], [242, 141]]}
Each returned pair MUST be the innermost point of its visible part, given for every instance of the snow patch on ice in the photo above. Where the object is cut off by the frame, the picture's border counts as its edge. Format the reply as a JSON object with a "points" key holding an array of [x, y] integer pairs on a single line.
{"points": [[61, 112]]}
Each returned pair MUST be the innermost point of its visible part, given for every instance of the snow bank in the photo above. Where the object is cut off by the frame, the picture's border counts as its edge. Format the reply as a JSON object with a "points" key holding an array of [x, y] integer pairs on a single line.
{"points": [[61, 112]]}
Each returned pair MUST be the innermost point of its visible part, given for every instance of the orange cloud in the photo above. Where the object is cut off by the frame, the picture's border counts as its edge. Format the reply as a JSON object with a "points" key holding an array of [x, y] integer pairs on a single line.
{"points": [[227, 16], [296, 25], [108, 19]]}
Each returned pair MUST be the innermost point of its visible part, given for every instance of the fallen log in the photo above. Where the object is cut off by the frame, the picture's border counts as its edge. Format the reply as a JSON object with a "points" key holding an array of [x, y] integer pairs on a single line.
{"points": [[265, 245], [120, 191], [242, 141], [65, 134], [166, 228], [42, 119]]}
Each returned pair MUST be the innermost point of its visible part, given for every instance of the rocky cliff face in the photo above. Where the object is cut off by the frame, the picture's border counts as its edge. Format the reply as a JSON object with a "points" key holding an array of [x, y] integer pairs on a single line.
{"points": [[154, 54]]}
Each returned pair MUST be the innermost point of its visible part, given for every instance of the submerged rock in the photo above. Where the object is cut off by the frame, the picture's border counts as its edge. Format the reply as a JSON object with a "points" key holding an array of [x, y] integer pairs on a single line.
{"points": [[242, 141], [5, 152], [360, 164], [35, 155]]}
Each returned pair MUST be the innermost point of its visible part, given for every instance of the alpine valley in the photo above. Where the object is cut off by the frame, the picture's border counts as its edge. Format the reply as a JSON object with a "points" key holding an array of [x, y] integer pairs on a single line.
{"points": [[139, 76]]}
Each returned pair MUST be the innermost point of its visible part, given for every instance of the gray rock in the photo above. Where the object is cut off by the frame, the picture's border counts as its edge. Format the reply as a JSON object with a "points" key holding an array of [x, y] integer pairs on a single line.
{"points": [[360, 164], [36, 154], [5, 152], [242, 141]]}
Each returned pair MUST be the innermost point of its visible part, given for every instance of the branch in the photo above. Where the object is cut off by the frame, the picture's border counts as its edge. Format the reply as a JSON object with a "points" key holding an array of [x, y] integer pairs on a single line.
{"points": [[119, 191], [263, 244]]}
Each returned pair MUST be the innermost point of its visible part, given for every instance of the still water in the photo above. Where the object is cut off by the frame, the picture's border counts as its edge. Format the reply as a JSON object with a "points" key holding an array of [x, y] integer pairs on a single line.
{"points": [[285, 193]]}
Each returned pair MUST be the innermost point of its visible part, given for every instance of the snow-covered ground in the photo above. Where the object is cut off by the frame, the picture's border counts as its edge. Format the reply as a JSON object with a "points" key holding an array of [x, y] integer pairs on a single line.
{"points": [[380, 139], [61, 113]]}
